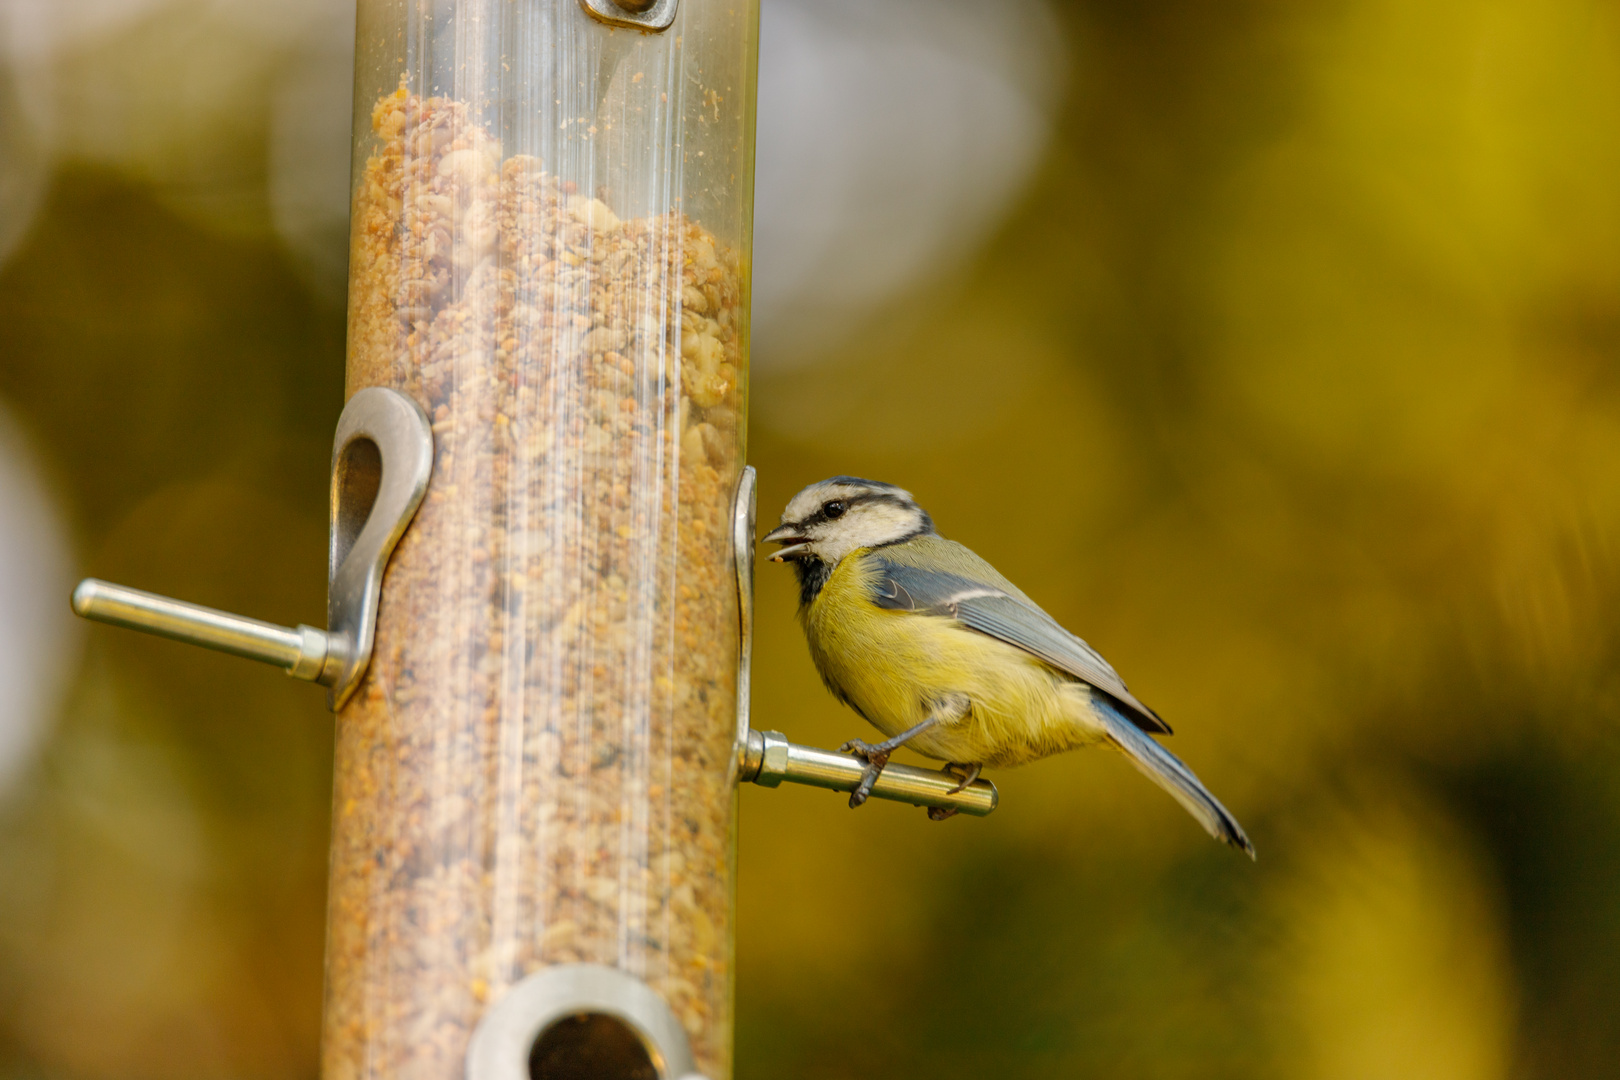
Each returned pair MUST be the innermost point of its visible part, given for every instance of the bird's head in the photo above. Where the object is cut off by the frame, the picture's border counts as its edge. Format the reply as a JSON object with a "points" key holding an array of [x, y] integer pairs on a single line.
{"points": [[827, 521]]}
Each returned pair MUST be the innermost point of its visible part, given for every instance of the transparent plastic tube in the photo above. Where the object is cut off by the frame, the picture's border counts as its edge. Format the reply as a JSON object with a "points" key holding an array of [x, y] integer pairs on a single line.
{"points": [[550, 233]]}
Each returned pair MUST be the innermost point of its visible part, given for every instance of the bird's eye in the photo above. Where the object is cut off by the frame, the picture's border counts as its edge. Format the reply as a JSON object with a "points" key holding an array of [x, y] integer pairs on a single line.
{"points": [[835, 509]]}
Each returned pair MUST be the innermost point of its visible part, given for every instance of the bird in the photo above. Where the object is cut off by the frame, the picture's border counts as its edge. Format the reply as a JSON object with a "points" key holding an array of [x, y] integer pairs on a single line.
{"points": [[932, 646]]}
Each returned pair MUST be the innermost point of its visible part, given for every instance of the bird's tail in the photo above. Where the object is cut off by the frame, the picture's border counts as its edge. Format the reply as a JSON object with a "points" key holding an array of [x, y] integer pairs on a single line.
{"points": [[1166, 770]]}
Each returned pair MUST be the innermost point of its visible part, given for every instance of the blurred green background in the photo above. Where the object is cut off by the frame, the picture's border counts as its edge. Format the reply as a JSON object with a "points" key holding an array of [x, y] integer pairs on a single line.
{"points": [[1290, 380]]}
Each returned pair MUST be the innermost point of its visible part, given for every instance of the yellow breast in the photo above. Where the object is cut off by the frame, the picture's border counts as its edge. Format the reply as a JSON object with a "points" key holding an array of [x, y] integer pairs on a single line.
{"points": [[894, 666]]}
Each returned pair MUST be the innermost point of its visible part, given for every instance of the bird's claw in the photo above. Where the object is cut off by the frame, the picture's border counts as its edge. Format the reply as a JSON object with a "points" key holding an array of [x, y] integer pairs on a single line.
{"points": [[965, 773], [875, 760]]}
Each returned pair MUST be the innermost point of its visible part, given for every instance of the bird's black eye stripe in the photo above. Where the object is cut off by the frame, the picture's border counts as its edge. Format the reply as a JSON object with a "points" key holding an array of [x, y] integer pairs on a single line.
{"points": [[837, 508]]}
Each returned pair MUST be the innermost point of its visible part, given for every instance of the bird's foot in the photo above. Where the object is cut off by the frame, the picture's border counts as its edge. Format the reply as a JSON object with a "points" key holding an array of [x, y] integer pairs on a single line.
{"points": [[875, 759], [940, 813], [965, 773]]}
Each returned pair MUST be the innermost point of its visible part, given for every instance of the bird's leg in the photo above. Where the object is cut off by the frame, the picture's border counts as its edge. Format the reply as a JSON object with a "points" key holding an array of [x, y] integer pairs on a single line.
{"points": [[966, 773], [876, 755]]}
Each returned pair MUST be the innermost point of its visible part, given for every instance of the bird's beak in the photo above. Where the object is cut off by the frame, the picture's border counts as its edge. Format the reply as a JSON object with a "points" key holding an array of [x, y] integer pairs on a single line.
{"points": [[786, 534]]}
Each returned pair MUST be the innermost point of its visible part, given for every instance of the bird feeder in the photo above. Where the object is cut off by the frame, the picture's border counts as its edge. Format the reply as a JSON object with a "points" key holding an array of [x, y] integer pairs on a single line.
{"points": [[540, 591]]}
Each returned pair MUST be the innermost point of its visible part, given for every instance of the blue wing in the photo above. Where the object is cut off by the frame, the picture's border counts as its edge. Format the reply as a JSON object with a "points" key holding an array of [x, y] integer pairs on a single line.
{"points": [[1000, 611]]}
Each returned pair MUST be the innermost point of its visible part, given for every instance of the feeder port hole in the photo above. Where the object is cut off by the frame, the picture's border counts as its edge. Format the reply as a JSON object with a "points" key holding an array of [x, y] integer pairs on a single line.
{"points": [[591, 1046]]}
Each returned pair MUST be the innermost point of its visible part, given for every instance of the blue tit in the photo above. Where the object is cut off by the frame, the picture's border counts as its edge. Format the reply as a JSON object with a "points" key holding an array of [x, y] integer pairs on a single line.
{"points": [[939, 652]]}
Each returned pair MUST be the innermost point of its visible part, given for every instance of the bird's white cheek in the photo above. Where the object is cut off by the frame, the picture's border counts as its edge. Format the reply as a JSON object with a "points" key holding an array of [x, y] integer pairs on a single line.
{"points": [[832, 552]]}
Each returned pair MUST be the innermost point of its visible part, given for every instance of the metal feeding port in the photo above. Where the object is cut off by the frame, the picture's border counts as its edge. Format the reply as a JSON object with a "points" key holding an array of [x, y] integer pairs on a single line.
{"points": [[382, 458], [580, 1022], [769, 759]]}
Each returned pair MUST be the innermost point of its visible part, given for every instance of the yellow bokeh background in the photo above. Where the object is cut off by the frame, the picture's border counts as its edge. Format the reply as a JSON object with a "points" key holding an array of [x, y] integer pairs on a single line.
{"points": [[1292, 383]]}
